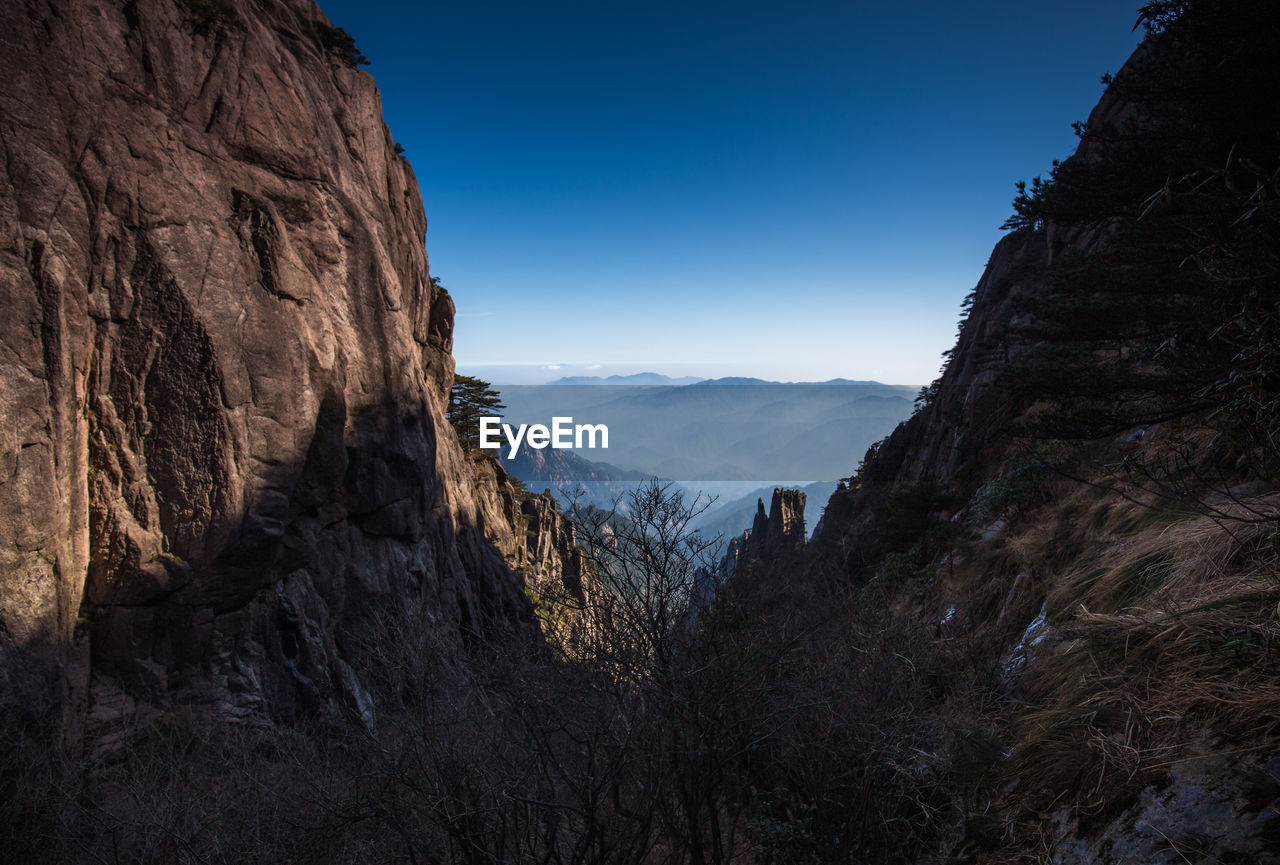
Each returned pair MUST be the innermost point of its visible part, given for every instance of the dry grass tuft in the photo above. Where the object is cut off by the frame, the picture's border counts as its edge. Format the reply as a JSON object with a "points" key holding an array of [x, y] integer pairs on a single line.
{"points": [[1167, 627], [1146, 560]]}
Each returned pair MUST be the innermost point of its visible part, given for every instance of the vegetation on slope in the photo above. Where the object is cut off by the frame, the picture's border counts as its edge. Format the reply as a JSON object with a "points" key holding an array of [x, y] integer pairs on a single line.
{"points": [[1092, 480], [1032, 606]]}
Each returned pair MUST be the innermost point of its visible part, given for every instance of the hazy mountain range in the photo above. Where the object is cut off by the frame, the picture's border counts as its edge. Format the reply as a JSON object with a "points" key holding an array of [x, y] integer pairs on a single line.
{"points": [[725, 429], [733, 439], [639, 379]]}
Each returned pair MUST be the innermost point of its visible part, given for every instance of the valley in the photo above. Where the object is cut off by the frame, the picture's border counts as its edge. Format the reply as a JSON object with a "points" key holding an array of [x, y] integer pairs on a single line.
{"points": [[263, 596]]}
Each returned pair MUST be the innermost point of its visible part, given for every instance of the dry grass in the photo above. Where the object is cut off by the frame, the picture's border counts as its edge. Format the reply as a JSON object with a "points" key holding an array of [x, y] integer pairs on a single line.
{"points": [[1211, 657], [1166, 637], [1168, 625], [1145, 559]]}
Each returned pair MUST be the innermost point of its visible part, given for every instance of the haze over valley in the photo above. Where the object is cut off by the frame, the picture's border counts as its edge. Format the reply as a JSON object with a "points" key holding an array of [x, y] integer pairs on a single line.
{"points": [[269, 593], [725, 439]]}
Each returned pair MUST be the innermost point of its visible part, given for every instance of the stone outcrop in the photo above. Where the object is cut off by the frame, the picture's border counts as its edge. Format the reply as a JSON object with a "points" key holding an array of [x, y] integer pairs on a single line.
{"points": [[772, 538], [225, 367], [551, 554], [783, 530], [534, 537]]}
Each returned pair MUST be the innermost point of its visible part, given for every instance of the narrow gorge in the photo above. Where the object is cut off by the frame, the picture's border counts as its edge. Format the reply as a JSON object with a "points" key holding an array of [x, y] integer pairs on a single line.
{"points": [[258, 602]]}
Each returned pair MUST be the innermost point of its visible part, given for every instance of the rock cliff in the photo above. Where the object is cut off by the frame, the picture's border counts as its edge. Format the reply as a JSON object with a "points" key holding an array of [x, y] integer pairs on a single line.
{"points": [[964, 429], [225, 369], [773, 538], [533, 535], [1087, 494]]}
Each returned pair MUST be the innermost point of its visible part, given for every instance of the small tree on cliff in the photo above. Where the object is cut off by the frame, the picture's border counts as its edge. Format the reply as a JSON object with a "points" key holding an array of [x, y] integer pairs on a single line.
{"points": [[469, 400]]}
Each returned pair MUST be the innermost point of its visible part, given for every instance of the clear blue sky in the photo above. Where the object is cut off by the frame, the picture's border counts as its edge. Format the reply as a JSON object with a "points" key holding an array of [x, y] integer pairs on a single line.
{"points": [[794, 190]]}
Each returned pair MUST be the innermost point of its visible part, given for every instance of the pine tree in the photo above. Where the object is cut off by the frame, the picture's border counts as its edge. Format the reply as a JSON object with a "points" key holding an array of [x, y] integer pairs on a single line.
{"points": [[469, 400]]}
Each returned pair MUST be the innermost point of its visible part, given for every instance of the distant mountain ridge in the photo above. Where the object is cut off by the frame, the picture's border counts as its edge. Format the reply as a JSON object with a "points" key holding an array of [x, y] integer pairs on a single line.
{"points": [[655, 379], [740, 380], [639, 379], [714, 431]]}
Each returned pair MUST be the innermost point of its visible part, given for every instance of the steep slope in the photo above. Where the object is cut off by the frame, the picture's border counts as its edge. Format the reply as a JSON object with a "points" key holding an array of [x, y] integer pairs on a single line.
{"points": [[225, 368], [1083, 513]]}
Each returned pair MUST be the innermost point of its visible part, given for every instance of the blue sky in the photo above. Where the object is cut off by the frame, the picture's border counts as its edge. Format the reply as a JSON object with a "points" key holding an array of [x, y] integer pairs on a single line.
{"points": [[796, 191]]}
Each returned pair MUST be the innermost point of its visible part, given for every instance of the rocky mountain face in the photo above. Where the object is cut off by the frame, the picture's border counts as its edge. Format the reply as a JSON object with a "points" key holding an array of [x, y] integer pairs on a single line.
{"points": [[1087, 494], [534, 536], [961, 434], [1084, 505], [774, 538], [782, 531], [226, 368]]}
